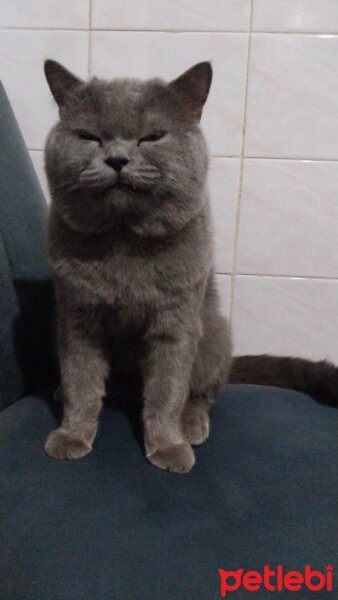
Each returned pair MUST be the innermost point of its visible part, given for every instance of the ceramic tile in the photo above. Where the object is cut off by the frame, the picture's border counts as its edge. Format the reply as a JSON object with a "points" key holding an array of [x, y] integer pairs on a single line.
{"points": [[60, 14], [289, 218], [223, 283], [296, 15], [187, 15], [139, 54], [38, 162], [293, 97], [21, 65], [224, 182], [286, 316]]}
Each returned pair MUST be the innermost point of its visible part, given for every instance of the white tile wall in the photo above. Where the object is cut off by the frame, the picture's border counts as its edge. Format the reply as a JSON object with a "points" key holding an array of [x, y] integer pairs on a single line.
{"points": [[54, 14], [22, 54], [292, 107], [38, 162], [224, 184], [296, 16], [289, 218], [169, 15], [271, 122], [278, 314], [223, 284]]}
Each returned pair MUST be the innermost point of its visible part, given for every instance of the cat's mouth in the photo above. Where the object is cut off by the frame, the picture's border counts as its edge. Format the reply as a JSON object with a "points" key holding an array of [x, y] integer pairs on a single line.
{"points": [[124, 183], [106, 180], [121, 184], [117, 185]]}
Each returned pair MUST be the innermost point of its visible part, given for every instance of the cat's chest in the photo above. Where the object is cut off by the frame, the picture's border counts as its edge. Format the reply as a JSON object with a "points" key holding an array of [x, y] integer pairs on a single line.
{"points": [[133, 276], [131, 279], [118, 279]]}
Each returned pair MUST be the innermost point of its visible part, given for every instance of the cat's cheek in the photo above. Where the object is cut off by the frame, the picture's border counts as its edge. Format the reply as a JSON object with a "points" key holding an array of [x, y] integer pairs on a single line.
{"points": [[151, 155], [93, 156]]}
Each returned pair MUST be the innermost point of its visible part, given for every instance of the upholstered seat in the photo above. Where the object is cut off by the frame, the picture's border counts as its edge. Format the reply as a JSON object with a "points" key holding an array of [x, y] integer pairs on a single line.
{"points": [[111, 526]]}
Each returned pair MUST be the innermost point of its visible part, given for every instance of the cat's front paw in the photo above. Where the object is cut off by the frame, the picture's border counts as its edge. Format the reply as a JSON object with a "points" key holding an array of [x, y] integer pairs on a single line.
{"points": [[61, 445], [178, 459], [196, 427]]}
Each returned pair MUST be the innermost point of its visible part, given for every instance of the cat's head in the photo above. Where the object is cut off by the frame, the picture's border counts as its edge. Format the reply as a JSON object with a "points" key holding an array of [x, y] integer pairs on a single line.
{"points": [[127, 148]]}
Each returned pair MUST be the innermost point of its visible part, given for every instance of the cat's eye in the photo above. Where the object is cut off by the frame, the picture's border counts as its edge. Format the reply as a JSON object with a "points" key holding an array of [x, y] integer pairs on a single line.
{"points": [[86, 135], [153, 137]]}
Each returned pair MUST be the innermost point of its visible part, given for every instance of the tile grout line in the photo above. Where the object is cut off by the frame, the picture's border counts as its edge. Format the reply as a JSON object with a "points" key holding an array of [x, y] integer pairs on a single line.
{"points": [[206, 31], [240, 183], [281, 276], [89, 63], [285, 158]]}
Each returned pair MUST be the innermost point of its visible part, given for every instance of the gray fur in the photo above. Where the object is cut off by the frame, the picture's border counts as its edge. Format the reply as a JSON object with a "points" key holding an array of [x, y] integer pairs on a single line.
{"points": [[132, 259]]}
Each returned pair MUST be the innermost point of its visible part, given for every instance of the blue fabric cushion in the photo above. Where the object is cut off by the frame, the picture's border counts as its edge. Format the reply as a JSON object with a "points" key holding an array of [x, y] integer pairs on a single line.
{"points": [[27, 355], [111, 527], [11, 375]]}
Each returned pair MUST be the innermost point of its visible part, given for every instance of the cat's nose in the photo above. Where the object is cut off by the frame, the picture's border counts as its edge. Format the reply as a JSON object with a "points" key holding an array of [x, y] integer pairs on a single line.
{"points": [[117, 162]]}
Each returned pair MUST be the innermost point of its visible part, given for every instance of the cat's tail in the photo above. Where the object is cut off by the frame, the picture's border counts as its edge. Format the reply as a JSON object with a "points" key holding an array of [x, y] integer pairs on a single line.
{"points": [[318, 379]]}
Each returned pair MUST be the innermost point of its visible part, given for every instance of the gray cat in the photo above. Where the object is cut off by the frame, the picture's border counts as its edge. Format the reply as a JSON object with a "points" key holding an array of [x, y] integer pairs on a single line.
{"points": [[131, 249], [130, 242]]}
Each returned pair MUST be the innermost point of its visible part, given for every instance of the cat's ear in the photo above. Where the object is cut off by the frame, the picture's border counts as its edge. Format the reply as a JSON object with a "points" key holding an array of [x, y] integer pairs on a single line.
{"points": [[60, 81], [192, 88]]}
